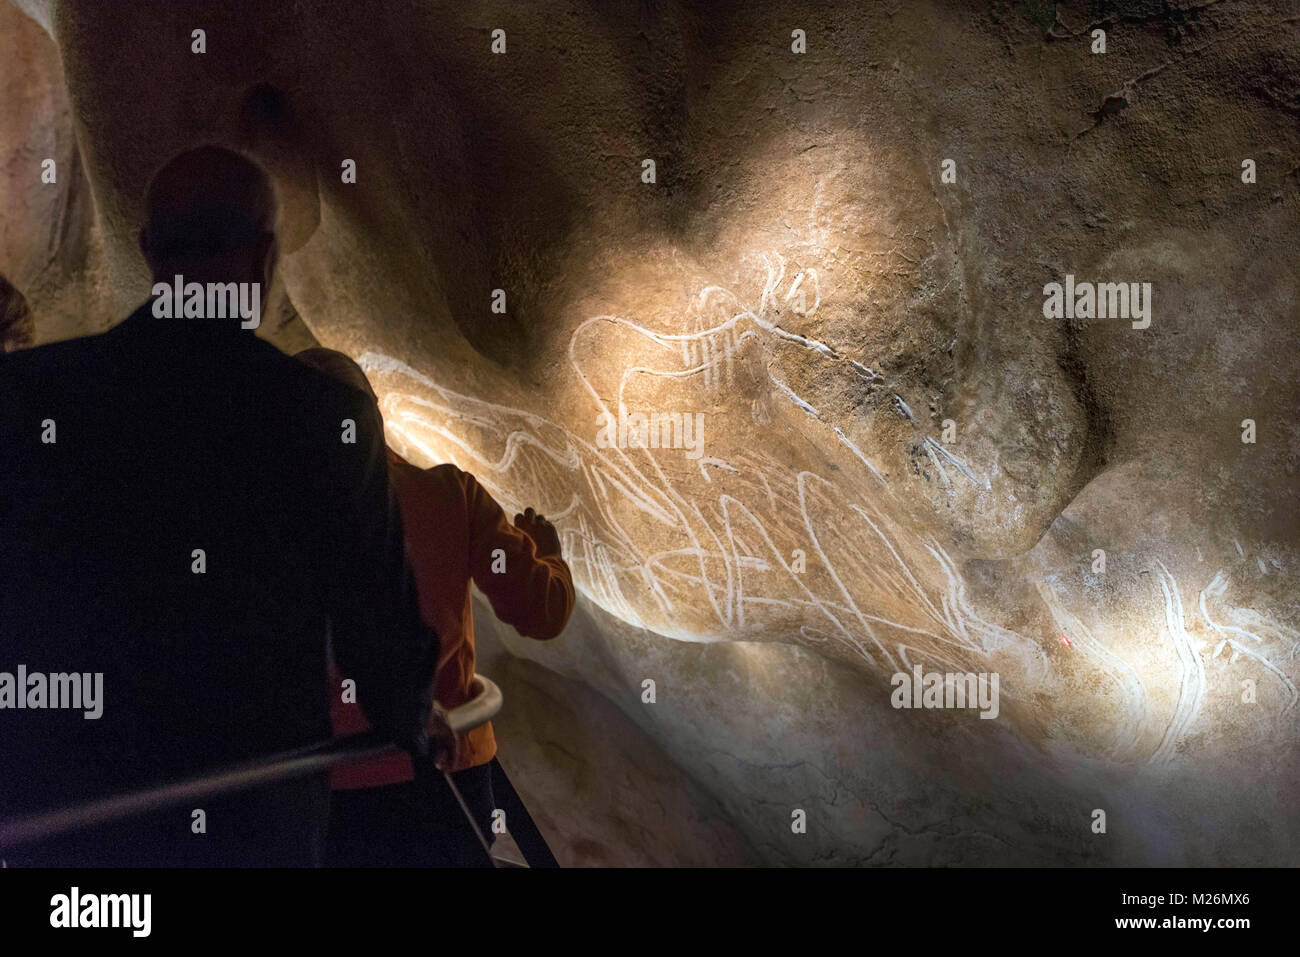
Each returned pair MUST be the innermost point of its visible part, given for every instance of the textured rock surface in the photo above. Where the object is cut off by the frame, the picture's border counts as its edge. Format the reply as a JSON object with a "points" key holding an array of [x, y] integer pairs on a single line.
{"points": [[801, 276], [598, 786]]}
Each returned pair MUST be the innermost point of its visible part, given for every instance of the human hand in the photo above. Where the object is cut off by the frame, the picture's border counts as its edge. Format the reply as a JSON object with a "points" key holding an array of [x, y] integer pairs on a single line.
{"points": [[443, 746], [542, 532]]}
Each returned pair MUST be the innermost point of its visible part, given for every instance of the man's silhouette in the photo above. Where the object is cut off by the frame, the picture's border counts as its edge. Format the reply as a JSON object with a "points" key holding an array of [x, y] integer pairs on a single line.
{"points": [[190, 512]]}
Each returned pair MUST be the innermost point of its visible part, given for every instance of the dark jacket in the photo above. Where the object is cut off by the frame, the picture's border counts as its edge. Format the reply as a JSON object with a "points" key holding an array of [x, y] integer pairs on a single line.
{"points": [[174, 435]]}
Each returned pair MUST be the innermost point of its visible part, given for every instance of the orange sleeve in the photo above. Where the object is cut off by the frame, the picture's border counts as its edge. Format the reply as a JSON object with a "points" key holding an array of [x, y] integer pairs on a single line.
{"points": [[532, 592]]}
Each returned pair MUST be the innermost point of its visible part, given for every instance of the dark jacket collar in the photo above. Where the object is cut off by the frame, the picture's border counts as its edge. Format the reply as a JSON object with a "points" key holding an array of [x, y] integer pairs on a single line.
{"points": [[143, 321]]}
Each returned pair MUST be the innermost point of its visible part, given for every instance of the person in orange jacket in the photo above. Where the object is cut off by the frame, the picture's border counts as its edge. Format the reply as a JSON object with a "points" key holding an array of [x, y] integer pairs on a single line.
{"points": [[456, 534]]}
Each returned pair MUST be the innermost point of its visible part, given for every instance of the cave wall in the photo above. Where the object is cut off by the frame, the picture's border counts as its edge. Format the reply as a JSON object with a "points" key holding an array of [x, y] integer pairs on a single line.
{"points": [[800, 275]]}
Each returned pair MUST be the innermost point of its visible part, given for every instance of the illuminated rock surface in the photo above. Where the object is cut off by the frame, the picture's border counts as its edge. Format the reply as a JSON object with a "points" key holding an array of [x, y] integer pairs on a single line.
{"points": [[800, 276]]}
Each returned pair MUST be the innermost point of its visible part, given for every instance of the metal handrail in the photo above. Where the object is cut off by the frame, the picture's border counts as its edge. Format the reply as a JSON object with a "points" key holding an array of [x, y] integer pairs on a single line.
{"points": [[267, 770]]}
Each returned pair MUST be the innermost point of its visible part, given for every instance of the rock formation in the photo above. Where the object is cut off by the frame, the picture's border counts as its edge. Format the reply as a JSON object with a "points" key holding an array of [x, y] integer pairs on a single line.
{"points": [[832, 264]]}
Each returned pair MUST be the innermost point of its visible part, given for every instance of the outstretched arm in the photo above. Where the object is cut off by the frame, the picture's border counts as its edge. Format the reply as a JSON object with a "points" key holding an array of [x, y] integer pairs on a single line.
{"points": [[518, 567]]}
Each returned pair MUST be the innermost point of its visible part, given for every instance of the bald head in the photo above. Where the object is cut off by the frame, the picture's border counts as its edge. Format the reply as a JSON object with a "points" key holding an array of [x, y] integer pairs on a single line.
{"points": [[210, 213], [16, 328]]}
